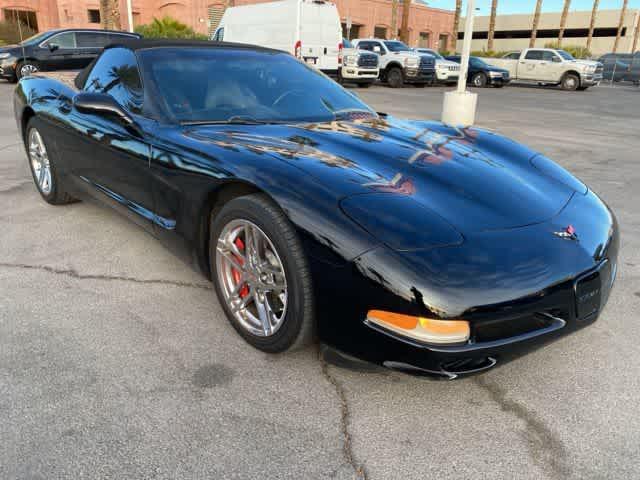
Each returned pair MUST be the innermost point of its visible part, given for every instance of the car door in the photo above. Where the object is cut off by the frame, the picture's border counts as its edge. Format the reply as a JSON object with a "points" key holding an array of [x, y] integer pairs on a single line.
{"points": [[551, 67], [59, 52], [529, 67], [111, 159]]}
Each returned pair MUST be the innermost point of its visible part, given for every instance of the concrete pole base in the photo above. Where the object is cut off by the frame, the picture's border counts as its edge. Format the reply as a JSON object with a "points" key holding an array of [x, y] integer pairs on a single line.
{"points": [[459, 108]]}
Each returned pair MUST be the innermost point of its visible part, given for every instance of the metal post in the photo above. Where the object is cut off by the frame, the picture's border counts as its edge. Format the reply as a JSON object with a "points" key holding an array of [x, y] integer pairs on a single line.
{"points": [[130, 15], [466, 46]]}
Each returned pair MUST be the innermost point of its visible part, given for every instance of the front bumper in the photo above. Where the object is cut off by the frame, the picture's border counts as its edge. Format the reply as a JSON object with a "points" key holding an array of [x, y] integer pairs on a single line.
{"points": [[499, 80], [447, 75], [356, 73], [590, 80], [8, 68], [416, 75]]}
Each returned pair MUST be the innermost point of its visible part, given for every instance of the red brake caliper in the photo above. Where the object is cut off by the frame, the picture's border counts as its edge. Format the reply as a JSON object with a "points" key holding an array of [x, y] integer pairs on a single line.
{"points": [[244, 291]]}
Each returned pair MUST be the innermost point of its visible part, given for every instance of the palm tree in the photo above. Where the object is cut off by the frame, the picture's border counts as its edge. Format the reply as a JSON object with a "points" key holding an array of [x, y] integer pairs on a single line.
{"points": [[620, 24], [456, 25], [394, 18], [110, 14], [592, 25], [492, 24], [563, 21], [536, 20], [635, 37], [404, 33]]}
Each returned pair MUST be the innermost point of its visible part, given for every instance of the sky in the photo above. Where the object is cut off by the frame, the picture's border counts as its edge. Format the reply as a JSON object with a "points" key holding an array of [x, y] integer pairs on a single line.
{"points": [[527, 6]]}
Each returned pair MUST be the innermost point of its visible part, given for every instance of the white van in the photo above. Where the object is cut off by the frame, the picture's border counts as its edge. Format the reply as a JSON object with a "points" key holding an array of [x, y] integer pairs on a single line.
{"points": [[308, 29]]}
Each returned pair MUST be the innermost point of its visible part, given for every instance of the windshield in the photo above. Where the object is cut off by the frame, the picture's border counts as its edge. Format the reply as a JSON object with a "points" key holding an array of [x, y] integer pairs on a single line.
{"points": [[207, 85], [565, 55], [395, 46], [37, 38], [476, 62]]}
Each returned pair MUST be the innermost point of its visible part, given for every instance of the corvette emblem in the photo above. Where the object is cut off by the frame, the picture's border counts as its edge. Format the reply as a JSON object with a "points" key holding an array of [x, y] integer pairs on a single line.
{"points": [[568, 233]]}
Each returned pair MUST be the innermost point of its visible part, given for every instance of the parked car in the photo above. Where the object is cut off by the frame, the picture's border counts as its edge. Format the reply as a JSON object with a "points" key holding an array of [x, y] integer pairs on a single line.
{"points": [[308, 29], [621, 67], [481, 74], [446, 70], [411, 243], [399, 64], [69, 49], [357, 66], [550, 66]]}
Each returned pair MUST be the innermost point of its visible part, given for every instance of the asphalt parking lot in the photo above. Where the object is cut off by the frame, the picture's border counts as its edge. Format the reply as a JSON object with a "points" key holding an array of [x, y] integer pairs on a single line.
{"points": [[116, 360]]}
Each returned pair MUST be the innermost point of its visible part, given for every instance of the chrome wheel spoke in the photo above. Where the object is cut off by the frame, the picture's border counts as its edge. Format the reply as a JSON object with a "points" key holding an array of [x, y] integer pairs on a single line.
{"points": [[252, 278], [40, 162]]}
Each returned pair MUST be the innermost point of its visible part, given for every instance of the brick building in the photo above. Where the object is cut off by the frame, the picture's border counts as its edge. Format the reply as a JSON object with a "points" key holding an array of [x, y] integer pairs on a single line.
{"points": [[429, 27]]}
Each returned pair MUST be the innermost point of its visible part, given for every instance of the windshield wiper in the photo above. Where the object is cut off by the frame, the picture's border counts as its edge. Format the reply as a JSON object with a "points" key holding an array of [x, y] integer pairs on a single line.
{"points": [[234, 120]]}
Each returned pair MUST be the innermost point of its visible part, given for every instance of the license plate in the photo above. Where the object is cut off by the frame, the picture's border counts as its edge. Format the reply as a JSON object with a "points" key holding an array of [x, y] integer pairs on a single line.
{"points": [[311, 60], [588, 295]]}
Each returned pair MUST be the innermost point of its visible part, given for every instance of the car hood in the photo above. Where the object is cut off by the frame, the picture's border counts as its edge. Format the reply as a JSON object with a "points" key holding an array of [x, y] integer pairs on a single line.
{"points": [[446, 63], [586, 63], [474, 179], [8, 48], [492, 68]]}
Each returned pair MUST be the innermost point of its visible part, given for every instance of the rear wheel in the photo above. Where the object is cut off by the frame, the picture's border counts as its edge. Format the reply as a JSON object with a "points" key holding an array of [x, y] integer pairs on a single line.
{"points": [[26, 67], [42, 162], [479, 80], [261, 274], [570, 82], [395, 78]]}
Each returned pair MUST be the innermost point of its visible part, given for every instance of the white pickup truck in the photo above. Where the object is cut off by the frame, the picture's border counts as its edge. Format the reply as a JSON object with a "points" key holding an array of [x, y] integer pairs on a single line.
{"points": [[550, 66]]}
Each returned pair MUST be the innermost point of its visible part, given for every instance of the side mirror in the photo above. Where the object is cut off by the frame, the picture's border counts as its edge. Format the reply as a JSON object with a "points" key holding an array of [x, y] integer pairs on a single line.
{"points": [[53, 47], [556, 59], [377, 50], [102, 104]]}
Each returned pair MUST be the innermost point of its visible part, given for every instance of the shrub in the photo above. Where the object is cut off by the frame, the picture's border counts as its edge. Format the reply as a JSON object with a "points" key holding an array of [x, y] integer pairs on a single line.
{"points": [[488, 53], [10, 33], [575, 50], [168, 27]]}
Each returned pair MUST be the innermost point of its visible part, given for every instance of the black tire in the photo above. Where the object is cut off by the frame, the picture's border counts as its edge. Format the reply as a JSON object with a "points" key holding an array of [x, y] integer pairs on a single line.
{"points": [[26, 65], [298, 326], [395, 77], [13, 79], [421, 85], [339, 78], [57, 194], [365, 85], [570, 82], [479, 80]]}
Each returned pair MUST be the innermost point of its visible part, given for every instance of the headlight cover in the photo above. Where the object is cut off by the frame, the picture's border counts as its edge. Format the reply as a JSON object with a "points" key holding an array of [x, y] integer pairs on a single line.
{"points": [[400, 222], [350, 60], [555, 171], [495, 74], [4, 55], [411, 62]]}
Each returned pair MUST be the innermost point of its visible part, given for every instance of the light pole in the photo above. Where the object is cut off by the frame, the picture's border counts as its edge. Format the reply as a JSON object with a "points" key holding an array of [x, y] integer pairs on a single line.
{"points": [[459, 107], [130, 16]]}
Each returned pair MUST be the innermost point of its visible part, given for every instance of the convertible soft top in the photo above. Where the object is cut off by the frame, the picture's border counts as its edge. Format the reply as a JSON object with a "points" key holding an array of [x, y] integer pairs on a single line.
{"points": [[145, 43]]}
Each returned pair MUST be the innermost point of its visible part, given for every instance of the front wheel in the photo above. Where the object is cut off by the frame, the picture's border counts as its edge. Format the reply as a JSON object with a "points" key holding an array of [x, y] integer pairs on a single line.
{"points": [[261, 274], [395, 78], [479, 80], [570, 82], [43, 165], [25, 68]]}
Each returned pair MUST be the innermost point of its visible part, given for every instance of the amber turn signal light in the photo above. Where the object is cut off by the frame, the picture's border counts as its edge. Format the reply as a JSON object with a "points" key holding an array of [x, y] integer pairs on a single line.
{"points": [[423, 329]]}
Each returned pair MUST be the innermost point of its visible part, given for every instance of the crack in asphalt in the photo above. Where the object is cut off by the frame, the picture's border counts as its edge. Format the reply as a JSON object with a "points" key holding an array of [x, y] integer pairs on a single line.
{"points": [[70, 272], [345, 419], [547, 450]]}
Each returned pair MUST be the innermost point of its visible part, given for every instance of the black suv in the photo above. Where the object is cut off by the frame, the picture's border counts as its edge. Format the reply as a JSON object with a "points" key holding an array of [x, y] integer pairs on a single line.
{"points": [[69, 49]]}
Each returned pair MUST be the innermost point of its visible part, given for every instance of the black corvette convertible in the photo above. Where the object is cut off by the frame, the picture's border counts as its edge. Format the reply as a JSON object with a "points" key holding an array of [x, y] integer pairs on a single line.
{"points": [[413, 244]]}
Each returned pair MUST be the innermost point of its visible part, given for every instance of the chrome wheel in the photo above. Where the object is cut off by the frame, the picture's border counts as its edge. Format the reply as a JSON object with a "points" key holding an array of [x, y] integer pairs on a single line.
{"points": [[39, 162], [251, 277], [27, 69]]}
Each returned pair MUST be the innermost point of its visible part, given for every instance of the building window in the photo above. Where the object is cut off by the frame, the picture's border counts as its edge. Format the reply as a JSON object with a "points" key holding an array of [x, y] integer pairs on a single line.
{"points": [[443, 42], [353, 33], [547, 33], [25, 17], [380, 32], [424, 40], [93, 15]]}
